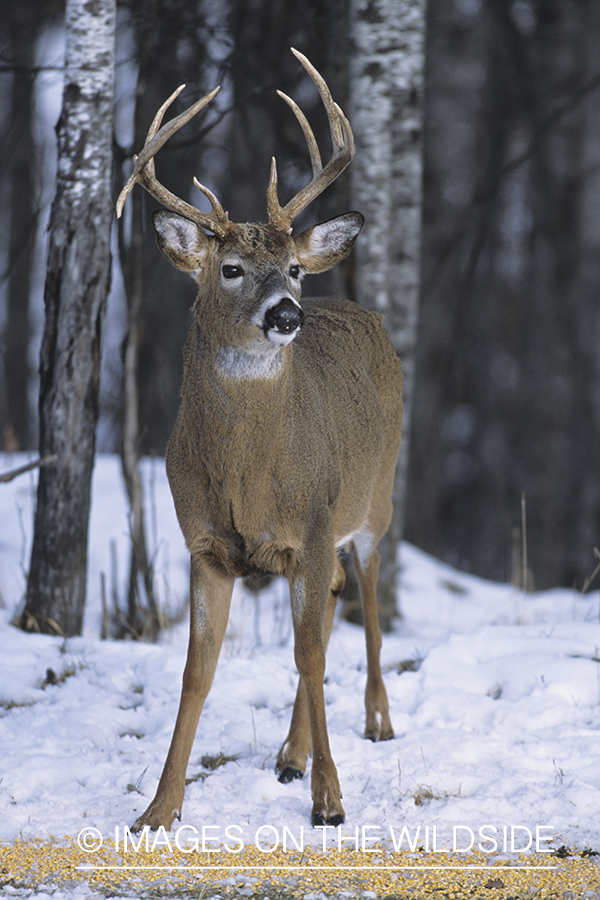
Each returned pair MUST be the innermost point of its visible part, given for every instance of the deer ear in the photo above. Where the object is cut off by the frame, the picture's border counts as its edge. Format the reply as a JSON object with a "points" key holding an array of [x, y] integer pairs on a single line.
{"points": [[183, 242], [321, 246]]}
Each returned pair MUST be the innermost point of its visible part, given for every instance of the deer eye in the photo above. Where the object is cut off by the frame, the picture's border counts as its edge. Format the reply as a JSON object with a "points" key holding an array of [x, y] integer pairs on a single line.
{"points": [[232, 271], [295, 271]]}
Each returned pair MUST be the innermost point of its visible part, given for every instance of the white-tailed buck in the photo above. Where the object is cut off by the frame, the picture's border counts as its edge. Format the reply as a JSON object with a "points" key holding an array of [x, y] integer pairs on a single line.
{"points": [[284, 447]]}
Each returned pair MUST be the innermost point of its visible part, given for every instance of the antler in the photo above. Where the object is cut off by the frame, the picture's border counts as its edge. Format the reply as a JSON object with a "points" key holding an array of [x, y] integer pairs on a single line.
{"points": [[343, 151], [216, 221]]}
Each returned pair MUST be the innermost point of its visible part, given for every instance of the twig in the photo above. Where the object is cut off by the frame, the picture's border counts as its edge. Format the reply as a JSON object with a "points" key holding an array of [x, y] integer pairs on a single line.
{"points": [[524, 543], [104, 630], [253, 725], [589, 580], [38, 463]]}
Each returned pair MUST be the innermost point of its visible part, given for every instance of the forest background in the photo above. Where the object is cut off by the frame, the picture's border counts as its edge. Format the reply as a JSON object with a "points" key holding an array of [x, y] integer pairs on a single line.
{"points": [[503, 136]]}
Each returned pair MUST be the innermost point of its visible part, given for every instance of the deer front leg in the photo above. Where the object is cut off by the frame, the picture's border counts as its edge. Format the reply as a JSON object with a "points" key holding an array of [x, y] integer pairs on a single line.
{"points": [[210, 598], [292, 757], [378, 725], [309, 598]]}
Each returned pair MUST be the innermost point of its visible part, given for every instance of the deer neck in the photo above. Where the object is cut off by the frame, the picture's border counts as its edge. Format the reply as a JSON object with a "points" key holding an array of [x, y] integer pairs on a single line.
{"points": [[220, 376]]}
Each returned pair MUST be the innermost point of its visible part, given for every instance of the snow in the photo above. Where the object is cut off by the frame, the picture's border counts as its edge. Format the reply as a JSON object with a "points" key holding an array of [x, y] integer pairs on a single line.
{"points": [[497, 717]]}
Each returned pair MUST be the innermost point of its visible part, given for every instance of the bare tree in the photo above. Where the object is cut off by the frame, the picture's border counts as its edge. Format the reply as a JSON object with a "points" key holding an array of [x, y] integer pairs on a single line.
{"points": [[386, 83], [142, 615], [77, 283], [19, 28]]}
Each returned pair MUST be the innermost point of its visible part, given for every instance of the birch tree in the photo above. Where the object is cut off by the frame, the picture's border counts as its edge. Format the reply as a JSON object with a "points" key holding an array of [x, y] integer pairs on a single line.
{"points": [[77, 283], [386, 84]]}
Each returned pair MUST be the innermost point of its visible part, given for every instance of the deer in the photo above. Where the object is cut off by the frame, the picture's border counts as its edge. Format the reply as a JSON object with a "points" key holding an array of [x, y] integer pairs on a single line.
{"points": [[285, 444]]}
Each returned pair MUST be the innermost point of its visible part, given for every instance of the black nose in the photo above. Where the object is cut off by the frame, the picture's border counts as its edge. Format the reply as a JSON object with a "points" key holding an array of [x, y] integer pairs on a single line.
{"points": [[285, 317]]}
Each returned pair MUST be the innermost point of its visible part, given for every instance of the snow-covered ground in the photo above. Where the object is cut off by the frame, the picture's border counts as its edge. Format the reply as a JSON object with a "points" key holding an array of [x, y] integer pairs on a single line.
{"points": [[497, 717]]}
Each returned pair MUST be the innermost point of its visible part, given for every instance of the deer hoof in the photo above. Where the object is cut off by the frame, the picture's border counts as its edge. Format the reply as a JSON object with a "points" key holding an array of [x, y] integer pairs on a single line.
{"points": [[318, 820], [288, 774], [155, 819], [379, 736]]}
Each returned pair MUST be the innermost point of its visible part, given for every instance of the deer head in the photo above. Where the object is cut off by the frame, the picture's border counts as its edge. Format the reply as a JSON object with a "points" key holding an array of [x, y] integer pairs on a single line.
{"points": [[257, 267]]}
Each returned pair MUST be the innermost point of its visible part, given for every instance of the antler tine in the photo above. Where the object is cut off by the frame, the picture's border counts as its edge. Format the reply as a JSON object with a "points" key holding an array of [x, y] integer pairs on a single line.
{"points": [[144, 171], [313, 148], [337, 135], [342, 141]]}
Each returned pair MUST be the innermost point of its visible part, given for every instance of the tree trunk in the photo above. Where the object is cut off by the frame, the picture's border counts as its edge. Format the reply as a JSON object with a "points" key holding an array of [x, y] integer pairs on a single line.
{"points": [[386, 83], [77, 284], [140, 622], [19, 171]]}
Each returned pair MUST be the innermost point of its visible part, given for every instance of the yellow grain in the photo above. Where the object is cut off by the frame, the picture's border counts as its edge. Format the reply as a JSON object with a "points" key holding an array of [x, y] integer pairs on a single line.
{"points": [[58, 863]]}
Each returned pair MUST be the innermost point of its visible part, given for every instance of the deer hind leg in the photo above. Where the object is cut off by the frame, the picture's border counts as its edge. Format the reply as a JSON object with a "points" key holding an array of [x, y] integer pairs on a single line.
{"points": [[291, 759], [210, 598], [366, 565]]}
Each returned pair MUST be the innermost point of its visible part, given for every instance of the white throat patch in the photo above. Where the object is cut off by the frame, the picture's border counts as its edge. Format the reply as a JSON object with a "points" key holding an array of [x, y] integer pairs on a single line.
{"points": [[242, 364]]}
